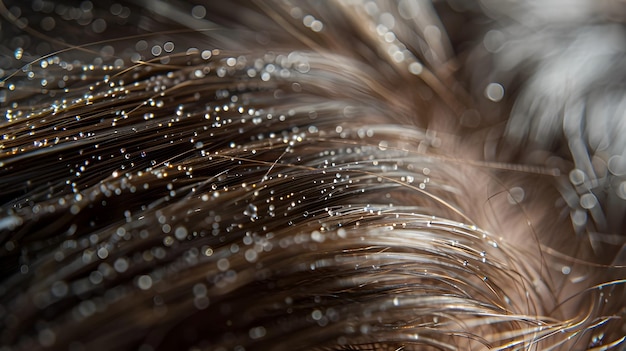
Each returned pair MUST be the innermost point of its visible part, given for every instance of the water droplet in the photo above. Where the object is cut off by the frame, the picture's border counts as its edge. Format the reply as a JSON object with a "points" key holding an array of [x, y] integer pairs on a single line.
{"points": [[180, 233], [251, 211], [588, 201], [198, 12], [201, 302], [515, 195], [494, 92], [257, 332], [168, 47], [493, 40], [223, 264], [251, 255], [341, 233], [577, 177], [579, 218], [103, 253], [121, 265], [46, 337], [317, 236], [144, 282], [617, 165], [156, 50], [99, 25], [416, 68], [18, 53], [365, 329], [199, 290], [316, 315], [59, 288], [317, 26]]}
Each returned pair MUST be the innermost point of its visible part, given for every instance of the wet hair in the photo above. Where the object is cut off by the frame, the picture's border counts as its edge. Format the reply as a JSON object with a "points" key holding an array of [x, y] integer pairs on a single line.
{"points": [[286, 175]]}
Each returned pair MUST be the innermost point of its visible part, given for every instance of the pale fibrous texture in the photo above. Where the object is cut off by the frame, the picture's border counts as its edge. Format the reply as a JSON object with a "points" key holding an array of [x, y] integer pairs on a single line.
{"points": [[312, 175]]}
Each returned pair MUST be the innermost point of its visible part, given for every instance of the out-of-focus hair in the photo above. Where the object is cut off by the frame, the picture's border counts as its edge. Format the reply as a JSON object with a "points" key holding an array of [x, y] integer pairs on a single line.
{"points": [[287, 175]]}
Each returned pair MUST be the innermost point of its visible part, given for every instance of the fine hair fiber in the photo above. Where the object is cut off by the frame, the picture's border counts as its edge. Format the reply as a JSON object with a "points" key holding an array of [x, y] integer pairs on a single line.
{"points": [[312, 175]]}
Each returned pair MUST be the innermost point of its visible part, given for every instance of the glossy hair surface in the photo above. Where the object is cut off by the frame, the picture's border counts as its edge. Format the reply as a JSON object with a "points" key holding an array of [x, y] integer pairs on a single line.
{"points": [[286, 175]]}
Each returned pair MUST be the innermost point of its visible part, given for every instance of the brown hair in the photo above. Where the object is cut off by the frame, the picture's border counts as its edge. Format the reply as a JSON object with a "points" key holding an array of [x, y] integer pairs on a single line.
{"points": [[299, 176]]}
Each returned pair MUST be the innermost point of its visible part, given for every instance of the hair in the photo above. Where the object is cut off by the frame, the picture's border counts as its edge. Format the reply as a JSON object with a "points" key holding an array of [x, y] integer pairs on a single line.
{"points": [[286, 175]]}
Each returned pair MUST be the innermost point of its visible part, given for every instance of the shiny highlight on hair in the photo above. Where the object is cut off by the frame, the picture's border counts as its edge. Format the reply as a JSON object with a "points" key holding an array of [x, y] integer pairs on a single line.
{"points": [[285, 175]]}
